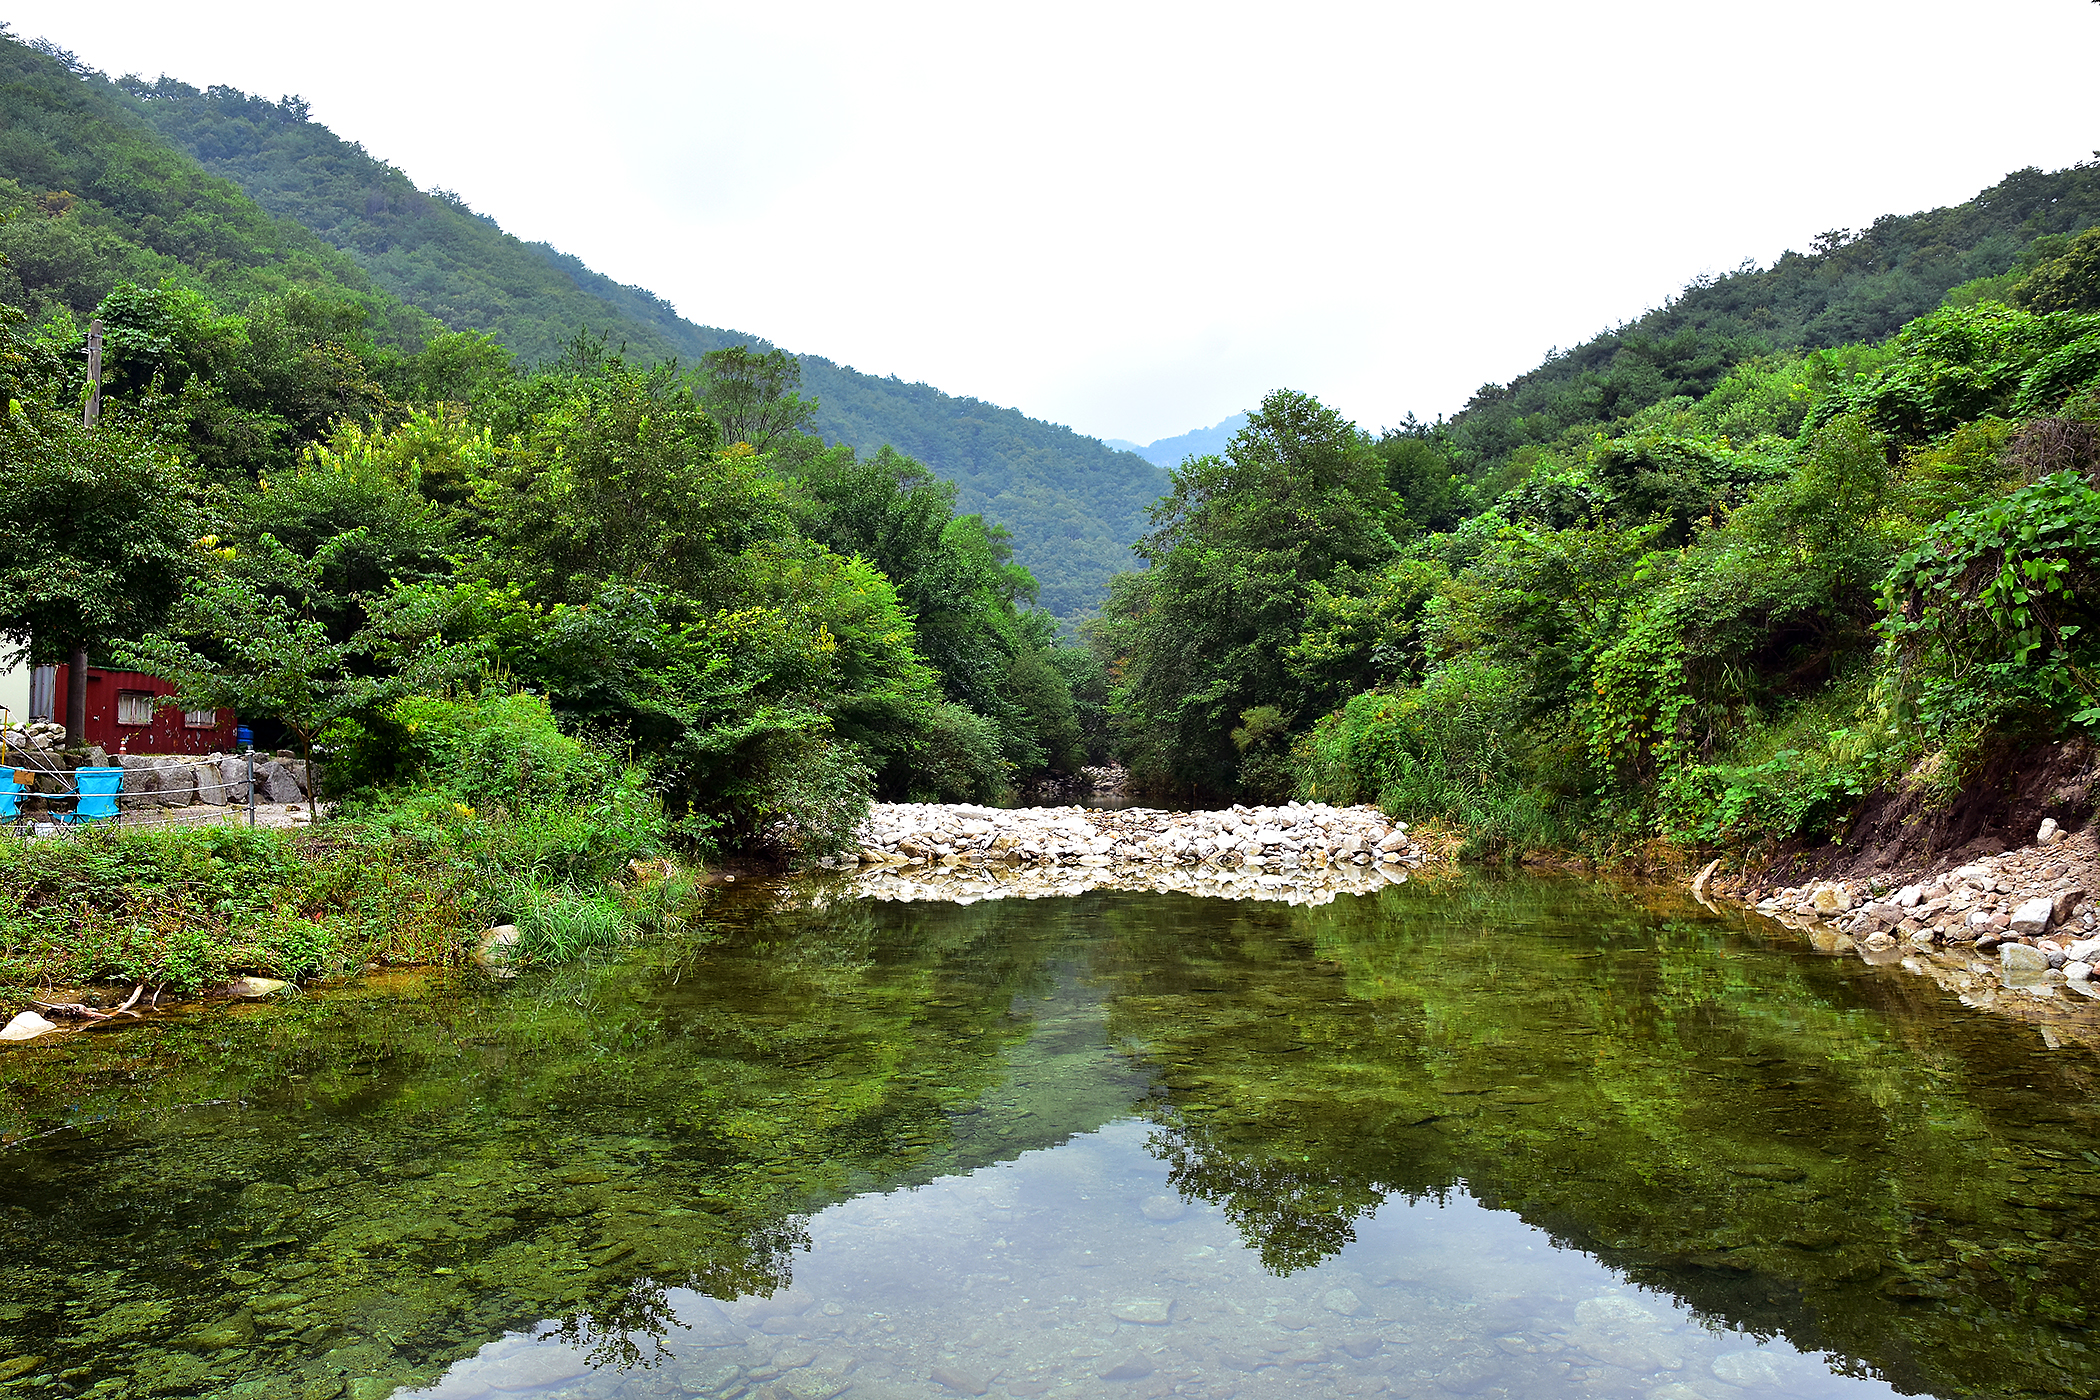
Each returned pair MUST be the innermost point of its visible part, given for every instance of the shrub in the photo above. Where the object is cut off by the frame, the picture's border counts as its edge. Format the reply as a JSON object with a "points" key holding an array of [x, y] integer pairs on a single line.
{"points": [[1994, 612], [1448, 750], [958, 759]]}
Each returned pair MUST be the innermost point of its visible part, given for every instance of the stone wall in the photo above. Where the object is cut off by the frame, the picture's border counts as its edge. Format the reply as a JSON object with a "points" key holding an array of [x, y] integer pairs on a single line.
{"points": [[156, 780]]}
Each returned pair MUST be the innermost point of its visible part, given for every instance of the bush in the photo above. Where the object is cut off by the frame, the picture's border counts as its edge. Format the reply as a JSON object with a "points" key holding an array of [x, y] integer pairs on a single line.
{"points": [[1995, 612], [504, 750], [1784, 779], [1449, 750], [958, 759]]}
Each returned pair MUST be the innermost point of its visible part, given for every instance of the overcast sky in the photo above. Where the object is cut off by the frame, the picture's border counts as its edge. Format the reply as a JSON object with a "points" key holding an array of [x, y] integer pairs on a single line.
{"points": [[1136, 218]]}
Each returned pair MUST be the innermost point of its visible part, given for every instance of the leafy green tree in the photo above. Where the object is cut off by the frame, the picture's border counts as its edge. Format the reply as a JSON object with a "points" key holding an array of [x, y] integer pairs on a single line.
{"points": [[353, 506], [460, 367], [230, 644], [1422, 476], [98, 530], [620, 475], [1236, 553], [968, 598], [753, 396], [245, 392], [2068, 282]]}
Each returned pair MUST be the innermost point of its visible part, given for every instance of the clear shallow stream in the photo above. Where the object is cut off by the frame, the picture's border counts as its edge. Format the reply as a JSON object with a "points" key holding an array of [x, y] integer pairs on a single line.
{"points": [[1495, 1138]]}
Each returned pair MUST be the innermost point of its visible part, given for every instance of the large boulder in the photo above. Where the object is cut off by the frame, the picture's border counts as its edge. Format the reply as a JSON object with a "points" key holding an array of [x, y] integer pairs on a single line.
{"points": [[175, 782], [233, 779], [141, 784], [206, 780], [1830, 899], [26, 1026], [275, 783], [2020, 962], [2032, 916]]}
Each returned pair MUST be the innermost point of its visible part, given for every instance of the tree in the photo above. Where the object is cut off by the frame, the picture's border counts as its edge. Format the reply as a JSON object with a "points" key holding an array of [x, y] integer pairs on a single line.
{"points": [[231, 645], [620, 475], [2069, 282], [353, 505], [98, 530], [1236, 554], [957, 576], [753, 396]]}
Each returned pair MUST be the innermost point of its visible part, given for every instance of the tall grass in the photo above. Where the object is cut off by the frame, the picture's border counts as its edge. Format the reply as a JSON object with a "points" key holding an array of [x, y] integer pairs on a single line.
{"points": [[557, 923], [1448, 751]]}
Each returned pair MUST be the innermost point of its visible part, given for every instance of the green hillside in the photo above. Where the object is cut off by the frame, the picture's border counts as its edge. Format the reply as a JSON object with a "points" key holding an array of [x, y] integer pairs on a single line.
{"points": [[1072, 503], [1852, 287], [90, 196]]}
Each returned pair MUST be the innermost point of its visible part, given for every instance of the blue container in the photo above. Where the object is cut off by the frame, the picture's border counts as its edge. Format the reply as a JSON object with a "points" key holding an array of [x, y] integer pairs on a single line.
{"points": [[98, 788], [243, 738], [8, 788]]}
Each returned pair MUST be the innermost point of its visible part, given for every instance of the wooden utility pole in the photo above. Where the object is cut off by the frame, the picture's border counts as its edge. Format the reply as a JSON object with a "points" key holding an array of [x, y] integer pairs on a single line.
{"points": [[76, 676]]}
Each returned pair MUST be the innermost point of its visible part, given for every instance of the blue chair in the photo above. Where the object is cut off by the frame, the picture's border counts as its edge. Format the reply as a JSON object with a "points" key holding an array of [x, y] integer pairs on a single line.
{"points": [[98, 789]]}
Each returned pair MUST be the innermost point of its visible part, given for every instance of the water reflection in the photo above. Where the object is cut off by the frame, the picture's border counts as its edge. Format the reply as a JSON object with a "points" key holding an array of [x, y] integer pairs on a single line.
{"points": [[361, 1190], [1080, 1271]]}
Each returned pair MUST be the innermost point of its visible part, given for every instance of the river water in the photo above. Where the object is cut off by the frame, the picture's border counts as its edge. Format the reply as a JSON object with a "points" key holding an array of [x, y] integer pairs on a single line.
{"points": [[1475, 1136]]}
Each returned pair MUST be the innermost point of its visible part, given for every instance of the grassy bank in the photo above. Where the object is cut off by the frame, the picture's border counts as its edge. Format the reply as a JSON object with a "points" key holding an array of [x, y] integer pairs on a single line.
{"points": [[500, 819]]}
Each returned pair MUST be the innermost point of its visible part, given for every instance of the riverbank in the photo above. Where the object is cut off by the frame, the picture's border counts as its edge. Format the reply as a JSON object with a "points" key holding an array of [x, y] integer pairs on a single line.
{"points": [[2013, 933], [169, 911]]}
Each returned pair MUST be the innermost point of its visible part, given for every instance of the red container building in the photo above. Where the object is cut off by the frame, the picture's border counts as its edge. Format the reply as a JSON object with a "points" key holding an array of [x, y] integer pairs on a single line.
{"points": [[124, 716]]}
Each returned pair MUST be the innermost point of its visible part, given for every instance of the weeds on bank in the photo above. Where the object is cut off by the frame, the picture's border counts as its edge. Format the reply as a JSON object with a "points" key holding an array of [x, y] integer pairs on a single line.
{"points": [[569, 847]]}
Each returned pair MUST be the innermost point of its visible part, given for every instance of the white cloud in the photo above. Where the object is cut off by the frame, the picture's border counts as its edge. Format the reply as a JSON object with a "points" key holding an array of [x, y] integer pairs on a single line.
{"points": [[1135, 218]]}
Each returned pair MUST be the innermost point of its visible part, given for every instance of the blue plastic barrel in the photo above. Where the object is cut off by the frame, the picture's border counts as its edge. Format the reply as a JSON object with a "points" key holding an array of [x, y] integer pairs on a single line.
{"points": [[243, 738], [98, 788]]}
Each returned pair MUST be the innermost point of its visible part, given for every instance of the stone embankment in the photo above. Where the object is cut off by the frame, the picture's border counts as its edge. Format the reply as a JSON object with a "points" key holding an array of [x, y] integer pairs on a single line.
{"points": [[2006, 932], [152, 782], [1299, 852]]}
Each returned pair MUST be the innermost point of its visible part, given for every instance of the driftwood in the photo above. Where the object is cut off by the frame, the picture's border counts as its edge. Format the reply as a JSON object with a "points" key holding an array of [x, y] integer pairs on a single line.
{"points": [[74, 1011]]}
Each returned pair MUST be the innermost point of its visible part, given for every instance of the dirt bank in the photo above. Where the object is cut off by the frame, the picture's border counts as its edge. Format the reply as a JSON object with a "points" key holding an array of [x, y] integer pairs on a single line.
{"points": [[1989, 894], [1908, 831]]}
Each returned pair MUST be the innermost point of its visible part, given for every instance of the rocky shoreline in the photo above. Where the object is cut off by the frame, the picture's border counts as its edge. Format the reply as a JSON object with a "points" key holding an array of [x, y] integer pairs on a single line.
{"points": [[1298, 852], [2011, 932]]}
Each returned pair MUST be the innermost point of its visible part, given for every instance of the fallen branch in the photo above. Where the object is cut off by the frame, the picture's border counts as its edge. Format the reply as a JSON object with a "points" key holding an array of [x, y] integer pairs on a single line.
{"points": [[75, 1011]]}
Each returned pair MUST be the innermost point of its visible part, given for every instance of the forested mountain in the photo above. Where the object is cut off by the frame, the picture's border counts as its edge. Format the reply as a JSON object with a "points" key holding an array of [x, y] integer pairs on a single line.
{"points": [[1169, 452], [1851, 287], [90, 196], [1072, 503]]}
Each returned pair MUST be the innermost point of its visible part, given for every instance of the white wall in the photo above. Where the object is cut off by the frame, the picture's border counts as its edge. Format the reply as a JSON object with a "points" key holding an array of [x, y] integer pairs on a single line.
{"points": [[14, 693]]}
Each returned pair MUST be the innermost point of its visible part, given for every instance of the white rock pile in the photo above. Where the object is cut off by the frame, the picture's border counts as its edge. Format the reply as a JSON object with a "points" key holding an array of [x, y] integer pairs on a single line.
{"points": [[1300, 851], [2025, 910]]}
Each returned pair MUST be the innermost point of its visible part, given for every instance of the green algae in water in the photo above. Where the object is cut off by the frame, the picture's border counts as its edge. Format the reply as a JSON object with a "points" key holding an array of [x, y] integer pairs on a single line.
{"points": [[1016, 1119]]}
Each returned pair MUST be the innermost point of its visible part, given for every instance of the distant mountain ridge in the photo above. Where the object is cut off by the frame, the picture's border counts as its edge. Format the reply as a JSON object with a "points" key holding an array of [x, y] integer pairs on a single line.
{"points": [[334, 218], [1171, 452]]}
